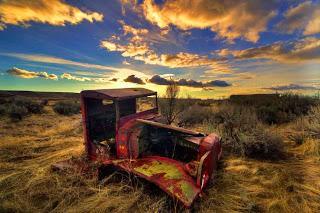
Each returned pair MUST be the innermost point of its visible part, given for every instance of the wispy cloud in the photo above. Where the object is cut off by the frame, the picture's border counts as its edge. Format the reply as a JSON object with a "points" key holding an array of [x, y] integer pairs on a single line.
{"points": [[117, 72], [289, 87], [306, 49], [30, 74], [53, 12]]}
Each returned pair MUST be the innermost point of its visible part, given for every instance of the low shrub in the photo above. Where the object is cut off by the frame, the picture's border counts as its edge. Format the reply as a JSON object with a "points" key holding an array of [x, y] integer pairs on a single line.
{"points": [[3, 110], [44, 102], [66, 108], [195, 115], [31, 105], [204, 103], [19, 107], [262, 143], [298, 138], [276, 108], [17, 113], [243, 134]]}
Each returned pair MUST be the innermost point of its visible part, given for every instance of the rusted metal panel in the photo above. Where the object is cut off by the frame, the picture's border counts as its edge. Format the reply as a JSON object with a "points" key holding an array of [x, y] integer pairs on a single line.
{"points": [[166, 173]]}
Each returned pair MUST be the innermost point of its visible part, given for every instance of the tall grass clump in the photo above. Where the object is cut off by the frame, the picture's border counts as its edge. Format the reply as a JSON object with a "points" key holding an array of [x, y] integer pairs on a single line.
{"points": [[309, 124], [66, 108], [306, 133]]}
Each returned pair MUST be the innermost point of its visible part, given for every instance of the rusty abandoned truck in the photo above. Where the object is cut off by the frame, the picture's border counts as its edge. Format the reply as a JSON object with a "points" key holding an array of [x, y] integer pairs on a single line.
{"points": [[121, 134]]}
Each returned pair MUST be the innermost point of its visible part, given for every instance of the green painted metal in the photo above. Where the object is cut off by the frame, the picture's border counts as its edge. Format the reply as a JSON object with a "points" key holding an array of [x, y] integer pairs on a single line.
{"points": [[168, 174]]}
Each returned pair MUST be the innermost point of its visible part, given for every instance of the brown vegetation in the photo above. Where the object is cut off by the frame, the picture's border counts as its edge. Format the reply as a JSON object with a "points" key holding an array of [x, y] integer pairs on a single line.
{"points": [[66, 108]]}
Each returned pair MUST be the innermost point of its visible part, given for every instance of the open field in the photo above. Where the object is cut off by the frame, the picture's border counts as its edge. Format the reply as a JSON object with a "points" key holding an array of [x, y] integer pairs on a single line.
{"points": [[29, 147]]}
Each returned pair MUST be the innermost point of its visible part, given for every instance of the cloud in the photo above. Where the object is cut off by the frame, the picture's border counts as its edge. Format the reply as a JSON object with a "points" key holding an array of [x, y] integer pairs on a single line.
{"points": [[118, 72], [189, 83], [217, 83], [131, 50], [178, 60], [30, 74], [227, 19], [156, 79], [134, 79], [304, 17], [291, 87], [53, 12], [132, 30], [75, 78], [142, 52], [307, 49], [138, 46]]}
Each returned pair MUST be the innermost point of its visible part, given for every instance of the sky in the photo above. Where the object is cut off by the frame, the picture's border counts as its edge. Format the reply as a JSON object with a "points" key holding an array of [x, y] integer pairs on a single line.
{"points": [[211, 48]]}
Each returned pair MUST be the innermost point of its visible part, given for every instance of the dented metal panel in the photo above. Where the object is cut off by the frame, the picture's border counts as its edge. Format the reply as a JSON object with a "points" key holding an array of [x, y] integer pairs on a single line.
{"points": [[166, 173]]}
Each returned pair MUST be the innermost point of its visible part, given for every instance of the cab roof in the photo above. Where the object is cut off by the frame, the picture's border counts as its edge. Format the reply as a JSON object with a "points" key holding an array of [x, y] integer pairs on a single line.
{"points": [[118, 94]]}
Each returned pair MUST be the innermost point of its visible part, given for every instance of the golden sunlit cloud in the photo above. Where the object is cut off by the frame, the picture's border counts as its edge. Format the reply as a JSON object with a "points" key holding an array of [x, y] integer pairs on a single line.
{"points": [[227, 19], [30, 74], [305, 17], [53, 12], [75, 78], [138, 48], [307, 49], [131, 30]]}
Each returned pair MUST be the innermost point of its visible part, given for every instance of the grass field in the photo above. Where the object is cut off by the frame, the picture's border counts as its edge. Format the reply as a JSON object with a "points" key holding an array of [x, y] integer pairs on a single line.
{"points": [[29, 147]]}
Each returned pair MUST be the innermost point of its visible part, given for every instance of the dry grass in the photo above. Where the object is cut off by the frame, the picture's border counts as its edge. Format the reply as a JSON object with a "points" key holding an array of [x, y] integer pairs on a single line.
{"points": [[28, 148]]}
